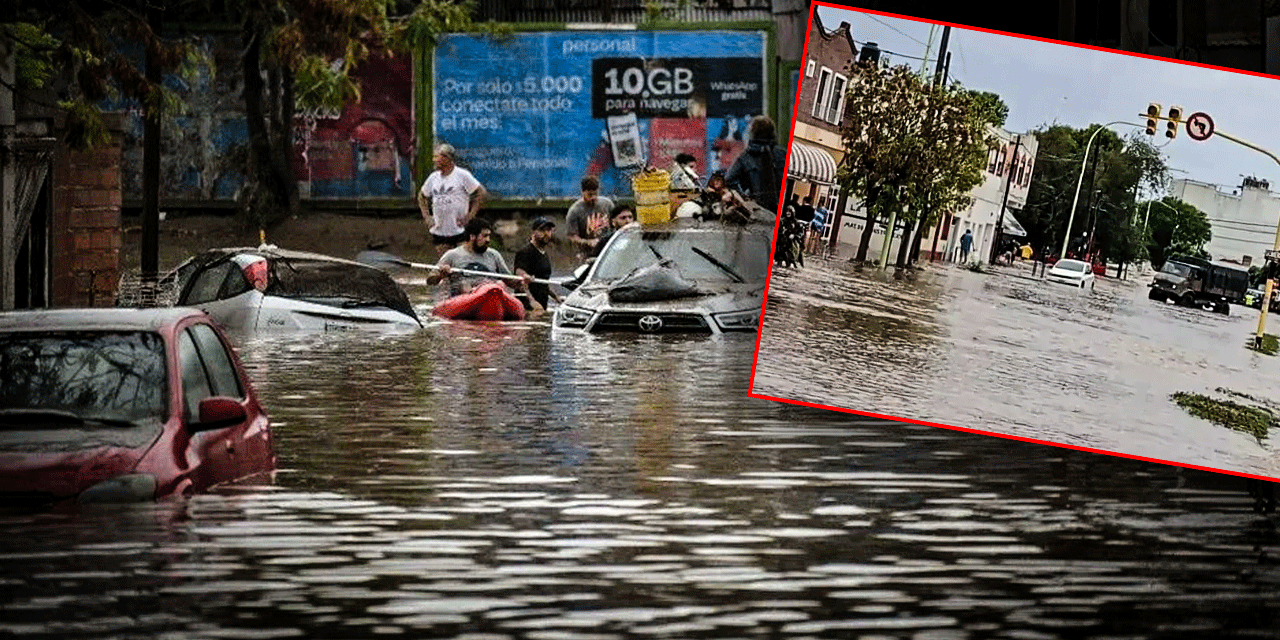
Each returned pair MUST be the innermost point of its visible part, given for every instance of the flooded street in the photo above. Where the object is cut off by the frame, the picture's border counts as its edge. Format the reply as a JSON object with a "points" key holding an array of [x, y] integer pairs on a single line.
{"points": [[1010, 354], [491, 482]]}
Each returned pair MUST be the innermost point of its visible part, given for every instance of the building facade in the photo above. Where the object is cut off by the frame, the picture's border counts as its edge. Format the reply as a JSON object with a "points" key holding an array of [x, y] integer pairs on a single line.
{"points": [[816, 146], [1006, 180], [1242, 221]]}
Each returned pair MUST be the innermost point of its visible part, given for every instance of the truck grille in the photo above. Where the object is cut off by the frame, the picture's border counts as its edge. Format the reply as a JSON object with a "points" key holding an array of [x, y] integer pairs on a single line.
{"points": [[632, 321]]}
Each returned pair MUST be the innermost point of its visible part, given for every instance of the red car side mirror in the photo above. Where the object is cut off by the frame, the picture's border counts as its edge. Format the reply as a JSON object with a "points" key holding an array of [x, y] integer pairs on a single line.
{"points": [[218, 412]]}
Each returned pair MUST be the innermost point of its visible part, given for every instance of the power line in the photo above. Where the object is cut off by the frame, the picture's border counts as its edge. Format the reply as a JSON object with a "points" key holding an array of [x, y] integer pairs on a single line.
{"points": [[894, 28], [1268, 226]]}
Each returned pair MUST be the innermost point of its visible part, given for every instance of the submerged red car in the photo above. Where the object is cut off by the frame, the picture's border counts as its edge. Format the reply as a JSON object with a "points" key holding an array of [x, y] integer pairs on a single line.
{"points": [[122, 405]]}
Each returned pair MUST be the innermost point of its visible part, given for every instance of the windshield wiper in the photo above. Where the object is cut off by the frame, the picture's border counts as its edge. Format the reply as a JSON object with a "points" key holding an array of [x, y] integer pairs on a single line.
{"points": [[47, 416], [655, 251], [723, 267], [41, 416]]}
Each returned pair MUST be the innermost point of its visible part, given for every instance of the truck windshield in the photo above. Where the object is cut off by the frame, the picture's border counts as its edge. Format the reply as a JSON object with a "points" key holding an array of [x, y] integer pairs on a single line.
{"points": [[1177, 269]]}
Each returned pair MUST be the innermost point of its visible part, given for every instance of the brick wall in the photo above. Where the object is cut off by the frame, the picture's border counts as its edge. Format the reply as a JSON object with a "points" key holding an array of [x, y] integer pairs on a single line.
{"points": [[86, 223], [832, 49]]}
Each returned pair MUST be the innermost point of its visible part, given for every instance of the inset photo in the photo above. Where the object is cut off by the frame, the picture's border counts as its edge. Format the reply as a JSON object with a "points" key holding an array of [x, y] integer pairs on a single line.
{"points": [[1029, 239]]}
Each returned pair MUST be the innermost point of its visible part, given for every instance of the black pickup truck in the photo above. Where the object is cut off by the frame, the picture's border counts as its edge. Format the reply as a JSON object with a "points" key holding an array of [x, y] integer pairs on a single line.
{"points": [[1195, 282]]}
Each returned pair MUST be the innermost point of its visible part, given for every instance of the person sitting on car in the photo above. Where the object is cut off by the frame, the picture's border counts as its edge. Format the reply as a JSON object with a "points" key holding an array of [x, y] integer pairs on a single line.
{"points": [[620, 216]]}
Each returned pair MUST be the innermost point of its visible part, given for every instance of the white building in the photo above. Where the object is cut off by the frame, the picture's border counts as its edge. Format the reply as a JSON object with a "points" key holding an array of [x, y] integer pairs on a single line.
{"points": [[1243, 220], [1011, 163], [1013, 158]]}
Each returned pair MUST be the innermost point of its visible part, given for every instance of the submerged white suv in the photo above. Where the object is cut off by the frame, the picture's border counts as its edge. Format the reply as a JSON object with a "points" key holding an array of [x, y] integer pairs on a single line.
{"points": [[685, 276]]}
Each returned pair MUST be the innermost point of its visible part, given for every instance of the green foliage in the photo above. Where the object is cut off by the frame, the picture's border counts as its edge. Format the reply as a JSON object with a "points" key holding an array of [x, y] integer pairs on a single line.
{"points": [[1106, 202], [913, 149], [1227, 413], [991, 108], [422, 28], [321, 84], [84, 125], [1270, 345], [1175, 227], [33, 54]]}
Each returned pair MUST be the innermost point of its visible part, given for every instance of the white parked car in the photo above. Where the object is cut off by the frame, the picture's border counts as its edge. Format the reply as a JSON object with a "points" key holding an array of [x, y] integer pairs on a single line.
{"points": [[1076, 273], [686, 276], [268, 289]]}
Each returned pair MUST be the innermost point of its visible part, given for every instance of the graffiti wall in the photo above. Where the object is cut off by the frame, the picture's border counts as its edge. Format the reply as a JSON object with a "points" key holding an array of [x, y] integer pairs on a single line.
{"points": [[532, 114], [360, 151], [195, 163], [365, 149]]}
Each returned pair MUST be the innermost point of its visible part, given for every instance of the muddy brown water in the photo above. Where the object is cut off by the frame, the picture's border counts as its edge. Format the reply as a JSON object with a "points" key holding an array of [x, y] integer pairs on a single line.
{"points": [[1017, 355], [486, 482]]}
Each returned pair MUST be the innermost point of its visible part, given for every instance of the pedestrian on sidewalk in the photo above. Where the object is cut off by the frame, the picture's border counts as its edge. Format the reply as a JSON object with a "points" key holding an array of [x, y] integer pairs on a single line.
{"points": [[966, 243]]}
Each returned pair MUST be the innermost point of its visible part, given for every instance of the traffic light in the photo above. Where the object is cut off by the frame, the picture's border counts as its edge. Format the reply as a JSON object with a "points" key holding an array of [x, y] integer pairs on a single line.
{"points": [[1175, 119], [1153, 114]]}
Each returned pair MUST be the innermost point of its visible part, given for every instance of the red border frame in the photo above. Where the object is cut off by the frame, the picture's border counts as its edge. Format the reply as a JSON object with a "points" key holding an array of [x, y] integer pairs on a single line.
{"points": [[782, 198]]}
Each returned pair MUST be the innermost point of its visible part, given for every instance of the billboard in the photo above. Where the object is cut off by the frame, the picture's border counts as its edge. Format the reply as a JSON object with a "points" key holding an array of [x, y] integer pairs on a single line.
{"points": [[531, 114]]}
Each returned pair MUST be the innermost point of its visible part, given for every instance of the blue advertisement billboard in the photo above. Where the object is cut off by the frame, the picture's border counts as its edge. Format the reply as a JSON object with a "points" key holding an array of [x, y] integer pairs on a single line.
{"points": [[531, 114]]}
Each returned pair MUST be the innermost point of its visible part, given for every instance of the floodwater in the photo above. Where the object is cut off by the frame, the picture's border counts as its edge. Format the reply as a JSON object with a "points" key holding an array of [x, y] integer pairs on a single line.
{"points": [[492, 482], [1007, 353]]}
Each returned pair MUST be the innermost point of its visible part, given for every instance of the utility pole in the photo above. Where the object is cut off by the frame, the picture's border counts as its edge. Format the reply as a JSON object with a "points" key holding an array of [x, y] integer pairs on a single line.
{"points": [[150, 262], [943, 219], [998, 237], [942, 56]]}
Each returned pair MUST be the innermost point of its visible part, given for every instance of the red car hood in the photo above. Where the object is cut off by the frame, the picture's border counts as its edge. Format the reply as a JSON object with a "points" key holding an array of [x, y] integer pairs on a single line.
{"points": [[62, 463]]}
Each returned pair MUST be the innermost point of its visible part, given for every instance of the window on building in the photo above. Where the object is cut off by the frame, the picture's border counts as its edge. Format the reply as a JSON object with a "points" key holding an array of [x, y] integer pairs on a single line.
{"points": [[836, 108], [808, 69], [1004, 151], [820, 98]]}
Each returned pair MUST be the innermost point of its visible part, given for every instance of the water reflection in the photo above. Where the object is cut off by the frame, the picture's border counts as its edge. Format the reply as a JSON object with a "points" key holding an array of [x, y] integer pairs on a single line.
{"points": [[1015, 355], [493, 482]]}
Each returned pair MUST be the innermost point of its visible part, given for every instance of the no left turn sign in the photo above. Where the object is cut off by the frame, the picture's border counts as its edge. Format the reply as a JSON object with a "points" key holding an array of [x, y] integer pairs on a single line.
{"points": [[1199, 126]]}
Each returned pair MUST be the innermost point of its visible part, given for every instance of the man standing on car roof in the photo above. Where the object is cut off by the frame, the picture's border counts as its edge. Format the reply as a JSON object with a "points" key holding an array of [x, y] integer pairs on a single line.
{"points": [[620, 216], [757, 172], [474, 255], [449, 198], [586, 216], [533, 261]]}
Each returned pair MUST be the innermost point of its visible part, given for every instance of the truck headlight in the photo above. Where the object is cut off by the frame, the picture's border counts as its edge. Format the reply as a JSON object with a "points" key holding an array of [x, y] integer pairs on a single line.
{"points": [[573, 317], [739, 320]]}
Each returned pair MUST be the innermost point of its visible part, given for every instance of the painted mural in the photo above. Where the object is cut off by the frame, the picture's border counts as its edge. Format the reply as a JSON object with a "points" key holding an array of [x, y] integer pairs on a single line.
{"points": [[360, 151], [532, 114], [364, 150]]}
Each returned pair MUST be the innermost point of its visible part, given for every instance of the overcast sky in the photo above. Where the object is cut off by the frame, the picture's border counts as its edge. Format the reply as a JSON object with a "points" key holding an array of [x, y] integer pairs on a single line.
{"points": [[1045, 83]]}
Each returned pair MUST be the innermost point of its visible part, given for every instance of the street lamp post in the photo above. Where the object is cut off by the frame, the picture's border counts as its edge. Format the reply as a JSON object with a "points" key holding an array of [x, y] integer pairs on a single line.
{"points": [[1072, 217]]}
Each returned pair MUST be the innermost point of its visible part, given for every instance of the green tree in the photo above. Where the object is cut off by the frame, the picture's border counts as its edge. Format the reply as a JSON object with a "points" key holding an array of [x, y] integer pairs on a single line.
{"points": [[1176, 228], [991, 107], [912, 150], [296, 54], [1117, 169]]}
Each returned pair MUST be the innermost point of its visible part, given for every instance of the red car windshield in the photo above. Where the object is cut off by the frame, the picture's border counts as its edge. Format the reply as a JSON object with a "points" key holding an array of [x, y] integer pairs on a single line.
{"points": [[90, 376]]}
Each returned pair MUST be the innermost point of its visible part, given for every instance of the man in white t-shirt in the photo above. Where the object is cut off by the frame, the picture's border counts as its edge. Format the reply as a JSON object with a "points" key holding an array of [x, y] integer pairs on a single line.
{"points": [[448, 199]]}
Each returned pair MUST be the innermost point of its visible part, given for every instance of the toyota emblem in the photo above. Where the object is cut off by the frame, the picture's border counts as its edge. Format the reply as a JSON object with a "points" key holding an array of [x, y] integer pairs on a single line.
{"points": [[650, 323]]}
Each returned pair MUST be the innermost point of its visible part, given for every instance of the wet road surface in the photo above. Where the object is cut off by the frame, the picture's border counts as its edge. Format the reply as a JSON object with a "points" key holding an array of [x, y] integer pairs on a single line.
{"points": [[1009, 354], [489, 482]]}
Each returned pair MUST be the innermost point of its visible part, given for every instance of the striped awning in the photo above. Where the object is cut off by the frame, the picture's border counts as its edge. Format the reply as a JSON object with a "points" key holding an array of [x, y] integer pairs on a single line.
{"points": [[811, 164], [1012, 227]]}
